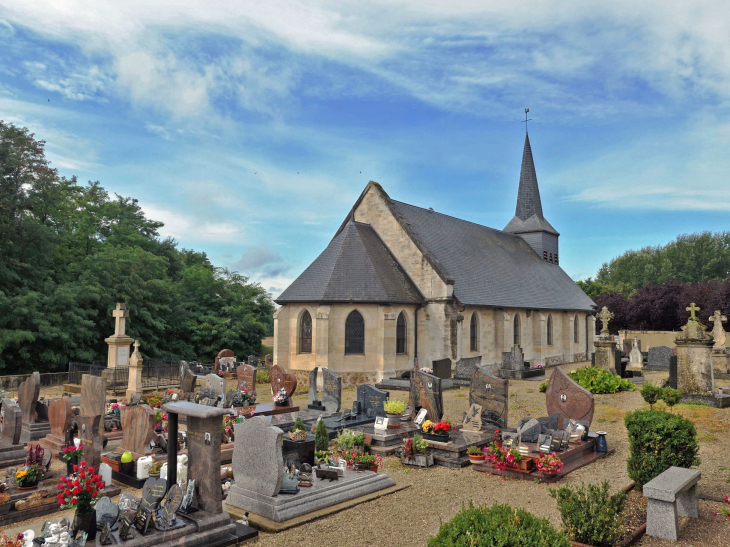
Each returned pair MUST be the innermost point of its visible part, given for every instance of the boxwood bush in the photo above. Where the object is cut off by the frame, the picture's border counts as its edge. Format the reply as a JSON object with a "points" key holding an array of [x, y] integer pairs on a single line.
{"points": [[498, 525], [659, 440], [599, 380]]}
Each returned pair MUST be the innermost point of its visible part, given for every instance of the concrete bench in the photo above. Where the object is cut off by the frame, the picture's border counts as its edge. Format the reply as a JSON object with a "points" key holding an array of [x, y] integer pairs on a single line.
{"points": [[671, 494]]}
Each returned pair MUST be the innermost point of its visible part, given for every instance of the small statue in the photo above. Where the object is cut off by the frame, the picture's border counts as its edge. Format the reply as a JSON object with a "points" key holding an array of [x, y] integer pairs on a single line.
{"points": [[64, 539]]}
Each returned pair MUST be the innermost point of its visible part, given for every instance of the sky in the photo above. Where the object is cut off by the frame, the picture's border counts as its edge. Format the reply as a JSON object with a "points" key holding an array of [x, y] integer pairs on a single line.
{"points": [[250, 128]]}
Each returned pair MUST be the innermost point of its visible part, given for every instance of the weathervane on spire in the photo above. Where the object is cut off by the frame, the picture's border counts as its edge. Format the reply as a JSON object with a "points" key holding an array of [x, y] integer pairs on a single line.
{"points": [[526, 120]]}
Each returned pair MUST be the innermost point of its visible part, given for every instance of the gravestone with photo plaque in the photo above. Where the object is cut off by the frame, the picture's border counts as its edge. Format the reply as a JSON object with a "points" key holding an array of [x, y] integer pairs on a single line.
{"points": [[569, 399], [372, 400], [426, 393], [492, 394]]}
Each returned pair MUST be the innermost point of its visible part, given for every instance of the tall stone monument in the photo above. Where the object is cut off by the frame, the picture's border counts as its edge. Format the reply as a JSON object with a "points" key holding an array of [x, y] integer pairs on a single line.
{"points": [[636, 360], [605, 347], [11, 449], [719, 354], [119, 342], [694, 357], [134, 387], [33, 429]]}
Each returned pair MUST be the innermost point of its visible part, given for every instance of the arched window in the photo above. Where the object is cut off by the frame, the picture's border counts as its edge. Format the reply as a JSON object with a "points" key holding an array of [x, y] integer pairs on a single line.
{"points": [[576, 336], [354, 333], [400, 333], [473, 330], [550, 330], [516, 337], [305, 333]]}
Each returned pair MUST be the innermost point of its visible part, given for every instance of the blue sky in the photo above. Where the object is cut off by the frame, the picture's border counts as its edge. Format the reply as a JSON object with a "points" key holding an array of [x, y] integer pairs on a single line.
{"points": [[250, 128]]}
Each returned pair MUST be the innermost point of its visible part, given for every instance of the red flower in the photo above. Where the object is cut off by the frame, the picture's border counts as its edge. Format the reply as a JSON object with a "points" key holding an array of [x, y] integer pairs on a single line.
{"points": [[83, 463], [76, 467], [100, 485], [67, 492], [94, 493], [82, 475], [96, 478], [91, 470], [60, 495], [59, 486], [74, 501], [61, 502], [89, 488]]}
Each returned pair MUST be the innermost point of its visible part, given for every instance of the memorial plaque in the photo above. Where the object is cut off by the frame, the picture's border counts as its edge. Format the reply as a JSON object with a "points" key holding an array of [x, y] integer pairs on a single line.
{"points": [[172, 502], [472, 419], [136, 399], [28, 392], [544, 442], [331, 390], [280, 379], [492, 394], [529, 430], [128, 502], [216, 383], [124, 529], [246, 375], [563, 395], [142, 519], [12, 421], [372, 399], [107, 512], [188, 498], [93, 395], [152, 493], [426, 393]]}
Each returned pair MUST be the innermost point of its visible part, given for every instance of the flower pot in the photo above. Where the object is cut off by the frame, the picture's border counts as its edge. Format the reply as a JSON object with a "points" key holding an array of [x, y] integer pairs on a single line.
{"points": [[126, 468], [526, 464], [154, 475], [277, 403], [373, 468], [549, 473], [498, 444], [87, 523], [439, 438], [5, 508], [28, 485], [393, 421], [477, 457]]}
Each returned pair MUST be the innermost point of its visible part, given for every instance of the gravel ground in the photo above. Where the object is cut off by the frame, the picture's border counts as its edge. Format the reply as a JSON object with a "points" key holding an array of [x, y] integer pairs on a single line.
{"points": [[412, 515]]}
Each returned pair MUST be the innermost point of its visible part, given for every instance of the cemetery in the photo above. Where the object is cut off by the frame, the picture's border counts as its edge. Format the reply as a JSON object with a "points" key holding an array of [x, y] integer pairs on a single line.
{"points": [[229, 456]]}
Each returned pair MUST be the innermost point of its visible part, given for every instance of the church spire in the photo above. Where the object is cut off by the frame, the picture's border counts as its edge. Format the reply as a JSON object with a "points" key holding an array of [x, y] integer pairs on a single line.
{"points": [[528, 195]]}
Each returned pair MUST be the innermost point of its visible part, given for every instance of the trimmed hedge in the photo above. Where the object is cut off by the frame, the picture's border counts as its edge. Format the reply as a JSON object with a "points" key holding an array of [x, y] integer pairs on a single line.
{"points": [[659, 440], [498, 525]]}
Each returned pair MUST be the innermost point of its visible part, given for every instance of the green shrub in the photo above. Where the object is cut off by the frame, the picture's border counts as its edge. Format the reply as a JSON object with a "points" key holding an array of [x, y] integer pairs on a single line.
{"points": [[263, 376], [670, 396], [543, 386], [591, 515], [659, 440], [651, 393], [321, 436], [345, 440], [498, 525], [298, 424], [395, 406], [599, 380]]}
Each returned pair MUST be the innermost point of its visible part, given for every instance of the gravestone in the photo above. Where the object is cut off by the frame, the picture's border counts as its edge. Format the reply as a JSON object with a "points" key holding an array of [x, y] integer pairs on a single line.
{"points": [[28, 392], [60, 414], [257, 466], [153, 491], [223, 360], [672, 380], [138, 427], [268, 360], [93, 395], [41, 411], [628, 345], [216, 383], [253, 360], [426, 393], [472, 419], [12, 423], [694, 357], [246, 375], [563, 395], [442, 368], [313, 400], [371, 400], [331, 390], [465, 367], [512, 361], [658, 357], [492, 394], [107, 512], [280, 379], [187, 378], [529, 430], [91, 430], [636, 360]]}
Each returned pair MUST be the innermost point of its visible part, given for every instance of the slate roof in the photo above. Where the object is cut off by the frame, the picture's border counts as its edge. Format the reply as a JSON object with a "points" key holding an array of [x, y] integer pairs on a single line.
{"points": [[528, 213], [356, 266], [489, 267]]}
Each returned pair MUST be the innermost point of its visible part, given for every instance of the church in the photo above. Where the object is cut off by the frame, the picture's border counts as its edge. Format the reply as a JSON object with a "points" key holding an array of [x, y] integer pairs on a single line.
{"points": [[399, 285]]}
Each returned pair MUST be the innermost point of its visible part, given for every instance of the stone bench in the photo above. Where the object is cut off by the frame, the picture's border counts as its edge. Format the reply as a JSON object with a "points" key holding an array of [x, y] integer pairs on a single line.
{"points": [[671, 494]]}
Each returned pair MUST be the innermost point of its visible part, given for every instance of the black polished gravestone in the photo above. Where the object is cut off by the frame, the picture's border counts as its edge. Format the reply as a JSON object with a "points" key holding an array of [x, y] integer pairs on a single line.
{"points": [[442, 368], [426, 393], [371, 400], [672, 380], [152, 493], [492, 394], [331, 390], [107, 512]]}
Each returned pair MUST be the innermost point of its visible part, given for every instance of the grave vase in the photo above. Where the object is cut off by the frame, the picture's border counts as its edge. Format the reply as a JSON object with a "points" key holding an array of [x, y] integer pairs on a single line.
{"points": [[393, 421], [74, 460], [87, 523]]}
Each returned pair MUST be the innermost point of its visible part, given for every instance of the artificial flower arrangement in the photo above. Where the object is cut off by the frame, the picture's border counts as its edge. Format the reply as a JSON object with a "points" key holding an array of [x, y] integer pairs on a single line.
{"points": [[280, 397], [155, 400], [427, 370], [80, 490], [549, 464], [17, 540], [159, 418], [247, 398], [502, 458], [439, 428], [33, 471], [538, 365], [228, 429], [70, 452], [416, 445], [114, 409], [362, 460]]}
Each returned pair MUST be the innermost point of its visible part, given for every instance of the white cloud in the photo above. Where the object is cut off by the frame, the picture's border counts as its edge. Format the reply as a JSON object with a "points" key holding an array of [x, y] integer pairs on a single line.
{"points": [[158, 130], [184, 226]]}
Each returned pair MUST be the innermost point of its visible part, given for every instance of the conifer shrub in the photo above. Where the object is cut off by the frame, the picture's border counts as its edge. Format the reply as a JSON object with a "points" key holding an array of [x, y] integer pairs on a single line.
{"points": [[298, 425], [591, 515], [321, 437], [659, 440], [497, 525], [670, 396]]}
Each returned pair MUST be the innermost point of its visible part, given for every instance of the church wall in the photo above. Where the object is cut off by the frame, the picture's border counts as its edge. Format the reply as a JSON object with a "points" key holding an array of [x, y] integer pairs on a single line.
{"points": [[374, 211]]}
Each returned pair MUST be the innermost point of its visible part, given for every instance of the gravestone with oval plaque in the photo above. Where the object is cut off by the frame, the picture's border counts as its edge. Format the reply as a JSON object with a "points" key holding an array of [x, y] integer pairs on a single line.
{"points": [[566, 397], [492, 394], [426, 393], [281, 379]]}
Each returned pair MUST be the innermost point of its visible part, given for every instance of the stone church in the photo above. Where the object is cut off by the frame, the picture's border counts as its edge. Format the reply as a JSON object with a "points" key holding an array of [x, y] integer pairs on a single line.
{"points": [[400, 285]]}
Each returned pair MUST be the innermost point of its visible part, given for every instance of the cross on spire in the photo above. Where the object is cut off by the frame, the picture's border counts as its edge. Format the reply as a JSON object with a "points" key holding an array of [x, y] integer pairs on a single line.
{"points": [[526, 120], [692, 309]]}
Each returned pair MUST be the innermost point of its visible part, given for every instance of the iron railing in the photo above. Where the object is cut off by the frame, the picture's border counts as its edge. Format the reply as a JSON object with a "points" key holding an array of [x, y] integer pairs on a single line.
{"points": [[156, 373]]}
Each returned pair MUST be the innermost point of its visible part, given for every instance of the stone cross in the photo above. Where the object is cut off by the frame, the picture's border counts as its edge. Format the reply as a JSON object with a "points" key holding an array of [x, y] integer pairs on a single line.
{"points": [[718, 333], [120, 314], [605, 316], [692, 309]]}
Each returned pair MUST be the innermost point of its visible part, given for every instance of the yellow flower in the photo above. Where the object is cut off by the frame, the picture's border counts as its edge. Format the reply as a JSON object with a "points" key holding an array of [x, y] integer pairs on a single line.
{"points": [[427, 425], [20, 474]]}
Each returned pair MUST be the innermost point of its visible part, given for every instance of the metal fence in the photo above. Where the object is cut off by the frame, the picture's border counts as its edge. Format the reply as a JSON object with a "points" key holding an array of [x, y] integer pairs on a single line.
{"points": [[156, 373]]}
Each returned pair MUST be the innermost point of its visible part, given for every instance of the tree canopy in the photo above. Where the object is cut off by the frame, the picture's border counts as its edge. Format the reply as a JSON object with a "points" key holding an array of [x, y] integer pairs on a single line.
{"points": [[69, 253]]}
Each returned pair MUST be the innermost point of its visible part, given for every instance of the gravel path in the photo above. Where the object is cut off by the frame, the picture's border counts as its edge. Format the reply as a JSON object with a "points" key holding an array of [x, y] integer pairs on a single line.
{"points": [[410, 516]]}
